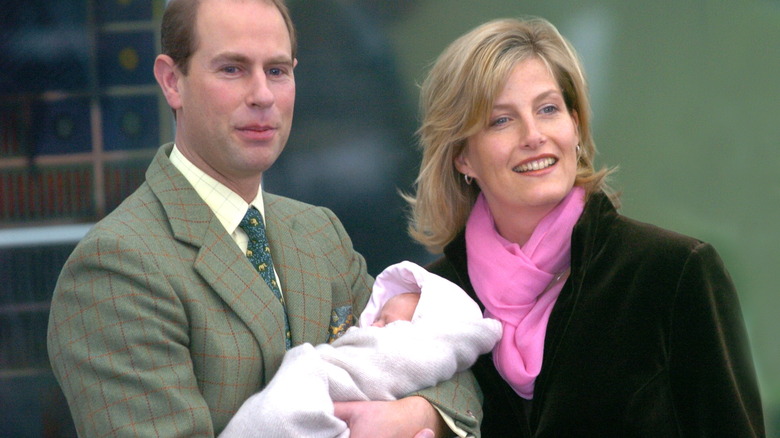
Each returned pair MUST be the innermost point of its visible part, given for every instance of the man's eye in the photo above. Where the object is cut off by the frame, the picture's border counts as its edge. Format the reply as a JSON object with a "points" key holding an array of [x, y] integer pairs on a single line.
{"points": [[231, 69], [275, 71]]}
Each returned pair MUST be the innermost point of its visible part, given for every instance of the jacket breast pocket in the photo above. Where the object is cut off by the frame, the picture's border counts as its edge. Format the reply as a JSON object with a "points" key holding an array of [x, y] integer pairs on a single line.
{"points": [[341, 319]]}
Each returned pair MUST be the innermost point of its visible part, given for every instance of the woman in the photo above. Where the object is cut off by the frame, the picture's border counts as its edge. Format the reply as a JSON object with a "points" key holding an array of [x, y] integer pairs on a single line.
{"points": [[612, 327]]}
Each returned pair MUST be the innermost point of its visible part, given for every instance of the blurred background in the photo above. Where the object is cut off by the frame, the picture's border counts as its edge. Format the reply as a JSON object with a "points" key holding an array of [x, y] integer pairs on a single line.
{"points": [[684, 94]]}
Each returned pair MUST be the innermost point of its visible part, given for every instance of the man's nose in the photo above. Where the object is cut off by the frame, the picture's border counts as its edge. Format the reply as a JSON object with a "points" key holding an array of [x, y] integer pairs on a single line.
{"points": [[260, 93]]}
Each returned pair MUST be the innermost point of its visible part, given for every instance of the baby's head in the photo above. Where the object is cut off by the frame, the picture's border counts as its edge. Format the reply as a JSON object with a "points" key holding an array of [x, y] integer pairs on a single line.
{"points": [[398, 308]]}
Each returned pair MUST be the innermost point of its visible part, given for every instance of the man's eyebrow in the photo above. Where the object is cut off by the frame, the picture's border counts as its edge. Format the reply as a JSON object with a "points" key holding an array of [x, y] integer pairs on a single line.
{"points": [[230, 57], [243, 59]]}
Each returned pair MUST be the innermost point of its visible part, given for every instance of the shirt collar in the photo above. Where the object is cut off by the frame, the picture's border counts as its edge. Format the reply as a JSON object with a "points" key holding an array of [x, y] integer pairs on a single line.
{"points": [[226, 204]]}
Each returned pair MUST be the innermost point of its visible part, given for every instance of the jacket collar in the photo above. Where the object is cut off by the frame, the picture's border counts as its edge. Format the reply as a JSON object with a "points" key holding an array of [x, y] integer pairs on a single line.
{"points": [[592, 230]]}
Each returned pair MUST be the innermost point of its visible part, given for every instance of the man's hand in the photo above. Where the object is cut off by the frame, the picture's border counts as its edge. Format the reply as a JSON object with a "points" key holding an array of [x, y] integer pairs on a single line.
{"points": [[410, 417]]}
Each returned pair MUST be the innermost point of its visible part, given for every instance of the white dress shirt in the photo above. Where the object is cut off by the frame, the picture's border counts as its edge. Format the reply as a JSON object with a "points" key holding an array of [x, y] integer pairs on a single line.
{"points": [[226, 204]]}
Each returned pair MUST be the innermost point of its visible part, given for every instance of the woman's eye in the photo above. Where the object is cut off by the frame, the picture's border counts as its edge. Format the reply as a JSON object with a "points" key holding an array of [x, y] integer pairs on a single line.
{"points": [[549, 109], [499, 121]]}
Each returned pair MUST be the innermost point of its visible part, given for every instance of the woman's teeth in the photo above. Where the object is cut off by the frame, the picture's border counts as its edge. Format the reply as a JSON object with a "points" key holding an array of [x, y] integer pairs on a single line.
{"points": [[536, 165]]}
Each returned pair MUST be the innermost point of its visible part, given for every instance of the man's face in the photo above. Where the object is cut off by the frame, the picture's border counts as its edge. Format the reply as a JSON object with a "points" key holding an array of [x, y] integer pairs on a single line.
{"points": [[235, 105]]}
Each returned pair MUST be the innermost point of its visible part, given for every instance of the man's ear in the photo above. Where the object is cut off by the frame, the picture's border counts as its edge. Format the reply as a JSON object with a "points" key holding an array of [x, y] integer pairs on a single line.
{"points": [[167, 75]]}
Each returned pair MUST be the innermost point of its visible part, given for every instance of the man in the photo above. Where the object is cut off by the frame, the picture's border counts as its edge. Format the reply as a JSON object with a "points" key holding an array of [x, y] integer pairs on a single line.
{"points": [[160, 325]]}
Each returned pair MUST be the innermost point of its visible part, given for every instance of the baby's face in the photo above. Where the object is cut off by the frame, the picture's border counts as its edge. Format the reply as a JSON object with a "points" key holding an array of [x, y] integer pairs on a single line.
{"points": [[399, 308]]}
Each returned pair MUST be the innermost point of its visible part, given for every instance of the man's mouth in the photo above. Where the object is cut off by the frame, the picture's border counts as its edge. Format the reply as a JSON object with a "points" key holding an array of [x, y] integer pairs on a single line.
{"points": [[257, 132], [539, 164], [256, 128]]}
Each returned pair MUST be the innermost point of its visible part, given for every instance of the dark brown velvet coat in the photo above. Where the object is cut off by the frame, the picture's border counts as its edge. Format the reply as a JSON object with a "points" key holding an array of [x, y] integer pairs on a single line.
{"points": [[646, 340]]}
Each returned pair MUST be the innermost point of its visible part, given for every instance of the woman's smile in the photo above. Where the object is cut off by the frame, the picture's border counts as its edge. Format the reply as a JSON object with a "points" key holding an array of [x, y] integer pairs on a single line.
{"points": [[539, 164]]}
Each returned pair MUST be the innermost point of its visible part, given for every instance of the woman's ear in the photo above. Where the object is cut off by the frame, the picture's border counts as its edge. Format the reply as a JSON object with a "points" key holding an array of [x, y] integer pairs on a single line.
{"points": [[461, 163], [167, 75], [576, 118]]}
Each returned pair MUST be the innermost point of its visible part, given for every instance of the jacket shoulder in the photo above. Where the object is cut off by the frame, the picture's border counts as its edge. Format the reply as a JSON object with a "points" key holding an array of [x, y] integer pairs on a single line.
{"points": [[300, 215], [601, 224], [287, 207], [638, 236], [608, 242]]}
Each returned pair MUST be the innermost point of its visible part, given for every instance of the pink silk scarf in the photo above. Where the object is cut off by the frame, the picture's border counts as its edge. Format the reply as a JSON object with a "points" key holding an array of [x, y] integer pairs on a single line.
{"points": [[519, 285]]}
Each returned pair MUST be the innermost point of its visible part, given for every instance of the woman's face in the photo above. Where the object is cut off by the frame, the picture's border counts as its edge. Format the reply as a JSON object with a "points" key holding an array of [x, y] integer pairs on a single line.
{"points": [[525, 159]]}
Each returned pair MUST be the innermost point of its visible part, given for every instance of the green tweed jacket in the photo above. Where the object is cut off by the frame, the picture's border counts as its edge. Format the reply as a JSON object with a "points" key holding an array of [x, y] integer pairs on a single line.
{"points": [[159, 325]]}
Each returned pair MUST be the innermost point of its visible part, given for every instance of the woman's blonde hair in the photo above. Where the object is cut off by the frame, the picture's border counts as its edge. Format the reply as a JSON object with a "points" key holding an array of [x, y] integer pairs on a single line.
{"points": [[455, 102]]}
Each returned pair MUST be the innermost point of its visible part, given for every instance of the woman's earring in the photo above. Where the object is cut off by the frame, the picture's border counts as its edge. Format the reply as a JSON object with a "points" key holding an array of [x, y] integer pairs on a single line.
{"points": [[579, 152], [468, 179]]}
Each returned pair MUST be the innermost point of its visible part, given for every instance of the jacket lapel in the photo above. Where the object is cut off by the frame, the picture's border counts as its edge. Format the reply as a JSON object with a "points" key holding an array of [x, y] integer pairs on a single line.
{"points": [[219, 261], [585, 240], [227, 270], [302, 269]]}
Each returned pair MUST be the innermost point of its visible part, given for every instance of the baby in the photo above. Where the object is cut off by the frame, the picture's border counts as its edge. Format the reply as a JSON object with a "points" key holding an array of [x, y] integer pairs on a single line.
{"points": [[398, 308], [416, 331]]}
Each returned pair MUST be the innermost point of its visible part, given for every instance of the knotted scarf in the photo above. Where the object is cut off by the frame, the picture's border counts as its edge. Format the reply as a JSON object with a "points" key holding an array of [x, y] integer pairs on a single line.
{"points": [[519, 285]]}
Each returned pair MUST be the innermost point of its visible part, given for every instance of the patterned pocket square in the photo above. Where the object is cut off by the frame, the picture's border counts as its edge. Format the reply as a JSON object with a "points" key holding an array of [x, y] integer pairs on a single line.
{"points": [[341, 319]]}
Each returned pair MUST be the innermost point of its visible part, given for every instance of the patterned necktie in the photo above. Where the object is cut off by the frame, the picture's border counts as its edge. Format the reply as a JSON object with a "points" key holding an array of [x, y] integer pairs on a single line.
{"points": [[259, 255]]}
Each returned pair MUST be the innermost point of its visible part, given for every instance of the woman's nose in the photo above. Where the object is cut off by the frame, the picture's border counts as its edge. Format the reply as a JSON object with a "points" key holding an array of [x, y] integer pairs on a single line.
{"points": [[532, 136]]}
